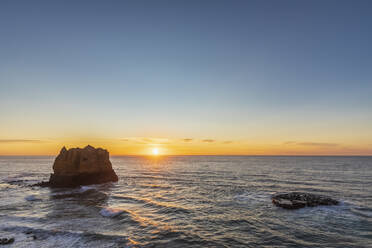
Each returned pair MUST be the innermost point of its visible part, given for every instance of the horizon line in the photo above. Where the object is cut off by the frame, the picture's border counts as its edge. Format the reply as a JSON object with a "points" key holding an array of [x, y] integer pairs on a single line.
{"points": [[212, 155]]}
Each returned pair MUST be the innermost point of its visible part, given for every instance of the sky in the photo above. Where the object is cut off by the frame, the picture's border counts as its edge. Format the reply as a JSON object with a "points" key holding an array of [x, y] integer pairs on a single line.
{"points": [[187, 77]]}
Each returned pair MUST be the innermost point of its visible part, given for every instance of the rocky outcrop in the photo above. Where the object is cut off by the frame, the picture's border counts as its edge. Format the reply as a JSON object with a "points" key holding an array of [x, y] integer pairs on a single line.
{"points": [[78, 166], [295, 200], [6, 241]]}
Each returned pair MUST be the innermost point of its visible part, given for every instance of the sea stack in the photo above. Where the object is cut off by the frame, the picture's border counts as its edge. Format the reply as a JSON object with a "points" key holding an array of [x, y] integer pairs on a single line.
{"points": [[76, 166]]}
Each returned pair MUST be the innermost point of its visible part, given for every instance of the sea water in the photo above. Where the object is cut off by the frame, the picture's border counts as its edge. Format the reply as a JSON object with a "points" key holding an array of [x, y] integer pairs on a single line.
{"points": [[190, 201]]}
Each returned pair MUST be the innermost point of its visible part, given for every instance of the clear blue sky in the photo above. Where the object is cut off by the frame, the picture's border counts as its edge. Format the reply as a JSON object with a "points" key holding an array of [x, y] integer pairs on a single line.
{"points": [[205, 69]]}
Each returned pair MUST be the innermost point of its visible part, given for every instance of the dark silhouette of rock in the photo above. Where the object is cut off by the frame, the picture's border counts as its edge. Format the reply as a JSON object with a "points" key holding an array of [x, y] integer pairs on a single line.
{"points": [[6, 241], [295, 200], [76, 166]]}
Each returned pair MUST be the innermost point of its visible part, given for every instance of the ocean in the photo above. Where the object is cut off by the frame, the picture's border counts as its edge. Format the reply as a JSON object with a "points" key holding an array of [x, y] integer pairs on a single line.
{"points": [[190, 201]]}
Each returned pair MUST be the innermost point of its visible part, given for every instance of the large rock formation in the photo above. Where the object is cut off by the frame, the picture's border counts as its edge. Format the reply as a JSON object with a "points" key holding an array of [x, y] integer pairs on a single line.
{"points": [[78, 166], [295, 200]]}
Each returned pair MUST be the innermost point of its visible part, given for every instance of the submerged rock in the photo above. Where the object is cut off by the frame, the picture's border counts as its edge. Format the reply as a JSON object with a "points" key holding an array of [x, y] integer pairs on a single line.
{"points": [[295, 200], [76, 166], [5, 241]]}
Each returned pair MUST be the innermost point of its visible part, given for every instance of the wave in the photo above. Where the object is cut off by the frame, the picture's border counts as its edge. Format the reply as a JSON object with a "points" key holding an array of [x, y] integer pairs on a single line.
{"points": [[70, 194], [177, 238], [25, 179], [163, 207], [253, 197], [364, 212], [32, 198], [37, 237], [6, 186], [111, 212], [84, 189], [156, 186]]}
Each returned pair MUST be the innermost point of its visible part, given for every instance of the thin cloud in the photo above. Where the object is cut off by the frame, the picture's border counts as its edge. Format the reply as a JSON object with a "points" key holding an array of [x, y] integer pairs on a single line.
{"points": [[157, 140], [145, 140], [321, 144], [187, 140], [20, 141], [208, 140], [317, 144]]}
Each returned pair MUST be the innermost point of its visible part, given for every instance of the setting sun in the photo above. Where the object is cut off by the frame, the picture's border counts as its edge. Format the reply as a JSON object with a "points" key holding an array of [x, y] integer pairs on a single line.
{"points": [[155, 151]]}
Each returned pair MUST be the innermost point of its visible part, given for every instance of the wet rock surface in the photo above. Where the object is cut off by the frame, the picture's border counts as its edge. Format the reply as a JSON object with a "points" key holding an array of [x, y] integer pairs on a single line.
{"points": [[76, 166], [6, 241], [296, 200]]}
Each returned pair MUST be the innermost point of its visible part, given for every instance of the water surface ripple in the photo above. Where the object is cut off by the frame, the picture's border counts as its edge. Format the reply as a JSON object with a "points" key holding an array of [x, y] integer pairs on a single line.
{"points": [[190, 201]]}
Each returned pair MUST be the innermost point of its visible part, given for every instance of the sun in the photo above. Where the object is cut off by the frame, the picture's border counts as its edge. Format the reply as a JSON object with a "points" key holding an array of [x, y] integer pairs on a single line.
{"points": [[155, 151]]}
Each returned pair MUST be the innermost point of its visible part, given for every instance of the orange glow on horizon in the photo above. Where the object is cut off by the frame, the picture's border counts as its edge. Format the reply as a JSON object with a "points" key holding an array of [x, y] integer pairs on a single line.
{"points": [[166, 146]]}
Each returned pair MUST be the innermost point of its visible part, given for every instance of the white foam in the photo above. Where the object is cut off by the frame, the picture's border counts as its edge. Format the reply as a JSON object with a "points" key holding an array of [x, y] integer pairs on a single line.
{"points": [[86, 188], [32, 198], [248, 197], [111, 212], [62, 193]]}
